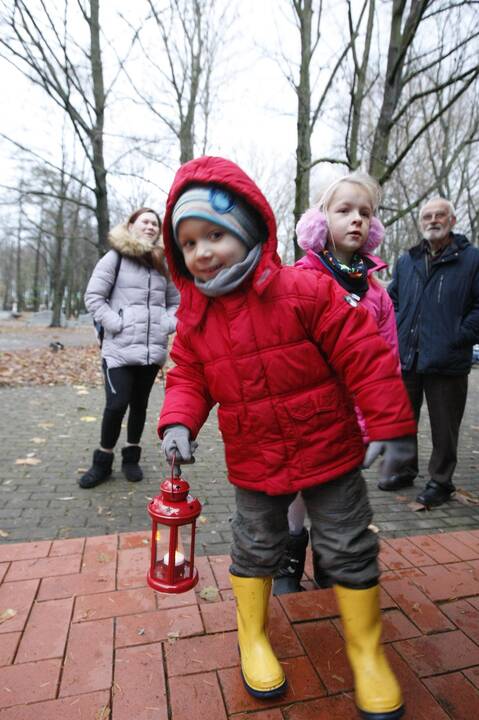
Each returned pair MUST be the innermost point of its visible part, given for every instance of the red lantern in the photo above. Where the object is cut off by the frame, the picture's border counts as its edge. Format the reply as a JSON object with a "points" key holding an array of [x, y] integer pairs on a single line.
{"points": [[172, 568]]}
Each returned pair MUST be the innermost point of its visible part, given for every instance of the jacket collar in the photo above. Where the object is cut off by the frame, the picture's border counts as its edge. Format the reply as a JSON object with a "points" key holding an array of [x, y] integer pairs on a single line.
{"points": [[128, 244], [458, 244]]}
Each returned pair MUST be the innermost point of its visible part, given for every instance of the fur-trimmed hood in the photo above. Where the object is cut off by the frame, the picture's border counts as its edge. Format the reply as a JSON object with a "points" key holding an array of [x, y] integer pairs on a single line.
{"points": [[129, 245]]}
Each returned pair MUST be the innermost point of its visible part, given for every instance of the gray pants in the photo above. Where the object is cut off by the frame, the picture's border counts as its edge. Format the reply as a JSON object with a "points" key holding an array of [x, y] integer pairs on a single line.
{"points": [[340, 513], [446, 397]]}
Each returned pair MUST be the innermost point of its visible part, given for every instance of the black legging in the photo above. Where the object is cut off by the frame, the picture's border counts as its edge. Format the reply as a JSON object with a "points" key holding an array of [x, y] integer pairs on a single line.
{"points": [[125, 386]]}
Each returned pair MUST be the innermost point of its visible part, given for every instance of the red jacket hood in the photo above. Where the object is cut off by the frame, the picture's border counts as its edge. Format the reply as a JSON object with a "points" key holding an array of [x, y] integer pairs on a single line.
{"points": [[219, 171]]}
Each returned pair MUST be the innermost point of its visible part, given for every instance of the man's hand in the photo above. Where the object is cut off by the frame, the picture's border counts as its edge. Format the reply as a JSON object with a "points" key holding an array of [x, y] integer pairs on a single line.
{"points": [[396, 454], [177, 445]]}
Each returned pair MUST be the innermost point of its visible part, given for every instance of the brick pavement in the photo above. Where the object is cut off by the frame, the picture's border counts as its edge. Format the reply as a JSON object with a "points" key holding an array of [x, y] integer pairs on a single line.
{"points": [[56, 428], [84, 638]]}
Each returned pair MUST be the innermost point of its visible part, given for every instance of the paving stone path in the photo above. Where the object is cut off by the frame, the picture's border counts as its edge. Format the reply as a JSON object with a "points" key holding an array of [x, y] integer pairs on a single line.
{"points": [[47, 436]]}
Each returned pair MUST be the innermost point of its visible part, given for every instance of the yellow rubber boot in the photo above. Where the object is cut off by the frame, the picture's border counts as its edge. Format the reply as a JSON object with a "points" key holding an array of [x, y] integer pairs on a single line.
{"points": [[263, 676], [377, 692]]}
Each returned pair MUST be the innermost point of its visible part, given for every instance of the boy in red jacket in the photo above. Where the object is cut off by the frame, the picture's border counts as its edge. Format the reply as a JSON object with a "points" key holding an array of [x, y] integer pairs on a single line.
{"points": [[285, 354]]}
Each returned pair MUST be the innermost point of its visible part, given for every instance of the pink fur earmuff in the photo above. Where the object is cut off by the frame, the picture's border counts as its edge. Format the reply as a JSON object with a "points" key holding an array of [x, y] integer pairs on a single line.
{"points": [[312, 232]]}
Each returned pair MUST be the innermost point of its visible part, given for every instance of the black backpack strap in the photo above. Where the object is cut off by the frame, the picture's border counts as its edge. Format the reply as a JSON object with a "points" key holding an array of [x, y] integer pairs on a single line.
{"points": [[117, 270]]}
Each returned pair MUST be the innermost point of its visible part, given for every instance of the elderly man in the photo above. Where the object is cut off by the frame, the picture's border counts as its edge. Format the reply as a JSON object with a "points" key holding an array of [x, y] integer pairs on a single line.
{"points": [[435, 291]]}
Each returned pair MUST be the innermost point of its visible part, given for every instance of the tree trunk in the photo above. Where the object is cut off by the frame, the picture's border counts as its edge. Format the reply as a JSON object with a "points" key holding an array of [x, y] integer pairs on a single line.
{"points": [[58, 287], [99, 170], [399, 42], [303, 148], [57, 275], [18, 267], [36, 275], [359, 88]]}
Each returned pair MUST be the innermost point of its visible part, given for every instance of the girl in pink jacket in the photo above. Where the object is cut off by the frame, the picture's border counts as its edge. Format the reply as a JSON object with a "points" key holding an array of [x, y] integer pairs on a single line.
{"points": [[338, 244]]}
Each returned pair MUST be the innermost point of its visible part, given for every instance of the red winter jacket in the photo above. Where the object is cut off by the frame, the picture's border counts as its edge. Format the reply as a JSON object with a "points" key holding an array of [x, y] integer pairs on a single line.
{"points": [[282, 356]]}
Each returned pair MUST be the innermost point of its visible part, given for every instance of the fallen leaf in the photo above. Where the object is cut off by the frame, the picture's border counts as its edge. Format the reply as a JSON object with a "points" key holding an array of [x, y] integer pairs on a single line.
{"points": [[102, 713], [37, 440], [416, 507], [373, 528], [3, 533], [465, 497], [27, 461], [88, 418], [173, 637], [209, 593], [7, 615]]}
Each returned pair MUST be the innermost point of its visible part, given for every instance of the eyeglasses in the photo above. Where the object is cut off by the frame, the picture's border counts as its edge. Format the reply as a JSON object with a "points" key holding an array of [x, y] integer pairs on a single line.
{"points": [[439, 215]]}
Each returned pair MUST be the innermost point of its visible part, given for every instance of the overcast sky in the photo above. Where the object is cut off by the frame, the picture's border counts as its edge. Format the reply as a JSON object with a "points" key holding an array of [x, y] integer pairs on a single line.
{"points": [[254, 123]]}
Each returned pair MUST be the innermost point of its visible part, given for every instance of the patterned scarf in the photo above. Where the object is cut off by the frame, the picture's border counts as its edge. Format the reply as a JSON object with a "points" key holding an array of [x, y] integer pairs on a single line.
{"points": [[353, 277]]}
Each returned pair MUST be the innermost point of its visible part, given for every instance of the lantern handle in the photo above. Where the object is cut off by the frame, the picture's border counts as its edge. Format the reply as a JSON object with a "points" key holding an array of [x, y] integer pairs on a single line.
{"points": [[175, 468]]}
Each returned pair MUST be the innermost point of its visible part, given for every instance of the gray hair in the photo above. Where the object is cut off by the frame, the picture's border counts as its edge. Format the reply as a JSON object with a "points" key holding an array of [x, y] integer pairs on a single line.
{"points": [[358, 177], [450, 206]]}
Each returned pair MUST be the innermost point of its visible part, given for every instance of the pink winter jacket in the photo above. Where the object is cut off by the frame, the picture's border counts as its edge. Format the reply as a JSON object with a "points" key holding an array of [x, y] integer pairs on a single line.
{"points": [[376, 300]]}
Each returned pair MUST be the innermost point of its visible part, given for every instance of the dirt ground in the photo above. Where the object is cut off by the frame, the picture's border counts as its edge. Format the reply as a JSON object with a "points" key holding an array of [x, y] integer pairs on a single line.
{"points": [[20, 334]]}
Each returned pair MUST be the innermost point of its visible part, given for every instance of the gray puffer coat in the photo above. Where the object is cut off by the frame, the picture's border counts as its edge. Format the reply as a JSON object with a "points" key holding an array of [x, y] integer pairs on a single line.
{"points": [[140, 313]]}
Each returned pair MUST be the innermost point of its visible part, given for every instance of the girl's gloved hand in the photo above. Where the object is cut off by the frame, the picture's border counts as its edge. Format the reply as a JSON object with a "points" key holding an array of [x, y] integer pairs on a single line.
{"points": [[396, 454], [177, 445]]}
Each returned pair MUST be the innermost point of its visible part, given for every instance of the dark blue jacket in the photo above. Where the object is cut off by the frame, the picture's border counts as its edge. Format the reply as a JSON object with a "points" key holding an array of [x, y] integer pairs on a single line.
{"points": [[437, 315]]}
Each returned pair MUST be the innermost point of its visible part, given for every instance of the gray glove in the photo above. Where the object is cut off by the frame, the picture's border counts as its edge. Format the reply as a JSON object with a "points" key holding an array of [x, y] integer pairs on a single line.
{"points": [[177, 444], [396, 454]]}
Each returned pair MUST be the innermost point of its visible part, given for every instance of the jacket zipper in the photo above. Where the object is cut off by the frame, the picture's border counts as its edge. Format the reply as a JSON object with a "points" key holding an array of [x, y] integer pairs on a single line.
{"points": [[148, 323], [441, 279]]}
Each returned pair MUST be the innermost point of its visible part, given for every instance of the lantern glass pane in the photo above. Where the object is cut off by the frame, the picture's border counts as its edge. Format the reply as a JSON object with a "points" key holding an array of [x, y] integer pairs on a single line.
{"points": [[172, 539]]}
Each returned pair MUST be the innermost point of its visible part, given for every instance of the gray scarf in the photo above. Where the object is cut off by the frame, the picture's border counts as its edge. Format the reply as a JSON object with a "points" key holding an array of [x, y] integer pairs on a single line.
{"points": [[230, 278]]}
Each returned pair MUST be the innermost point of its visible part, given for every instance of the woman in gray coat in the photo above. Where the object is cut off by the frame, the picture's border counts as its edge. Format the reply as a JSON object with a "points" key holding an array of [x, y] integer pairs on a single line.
{"points": [[132, 297]]}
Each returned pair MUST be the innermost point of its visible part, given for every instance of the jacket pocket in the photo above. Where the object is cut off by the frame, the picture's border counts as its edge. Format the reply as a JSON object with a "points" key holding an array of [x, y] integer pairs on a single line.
{"points": [[321, 425], [237, 444], [315, 403]]}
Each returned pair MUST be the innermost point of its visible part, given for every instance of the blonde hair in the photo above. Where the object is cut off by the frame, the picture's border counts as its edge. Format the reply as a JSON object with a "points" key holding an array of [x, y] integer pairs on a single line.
{"points": [[358, 177]]}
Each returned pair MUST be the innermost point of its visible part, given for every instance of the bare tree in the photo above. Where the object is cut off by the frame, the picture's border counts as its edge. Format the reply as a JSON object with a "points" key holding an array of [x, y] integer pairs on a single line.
{"points": [[361, 82], [40, 42], [181, 66], [309, 108], [418, 74]]}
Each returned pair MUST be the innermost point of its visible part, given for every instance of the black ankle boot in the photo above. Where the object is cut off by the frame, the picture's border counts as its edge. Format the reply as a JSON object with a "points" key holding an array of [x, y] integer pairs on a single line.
{"points": [[288, 577], [435, 494], [99, 471], [130, 458]]}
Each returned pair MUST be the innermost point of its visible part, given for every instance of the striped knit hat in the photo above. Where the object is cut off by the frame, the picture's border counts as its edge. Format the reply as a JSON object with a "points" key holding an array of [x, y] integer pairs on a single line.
{"points": [[221, 207]]}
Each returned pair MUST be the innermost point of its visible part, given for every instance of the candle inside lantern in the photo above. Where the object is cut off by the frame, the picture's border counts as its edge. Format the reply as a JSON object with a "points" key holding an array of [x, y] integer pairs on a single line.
{"points": [[179, 558]]}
